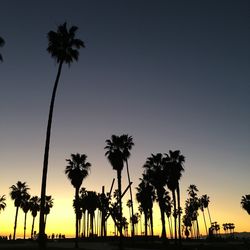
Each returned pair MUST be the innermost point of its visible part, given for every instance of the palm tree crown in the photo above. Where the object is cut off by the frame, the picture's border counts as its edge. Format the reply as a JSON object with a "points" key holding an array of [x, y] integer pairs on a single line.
{"points": [[63, 46], [19, 193], [245, 203], [2, 202], [77, 169]]}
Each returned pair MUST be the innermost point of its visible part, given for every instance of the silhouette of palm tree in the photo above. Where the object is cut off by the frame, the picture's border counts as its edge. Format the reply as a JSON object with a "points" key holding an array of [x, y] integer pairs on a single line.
{"points": [[48, 205], [18, 193], [175, 161], [145, 196], [206, 200], [156, 175], [194, 205], [63, 46], [116, 158], [245, 203], [126, 146], [2, 42], [34, 208], [91, 204], [25, 205], [77, 170]]}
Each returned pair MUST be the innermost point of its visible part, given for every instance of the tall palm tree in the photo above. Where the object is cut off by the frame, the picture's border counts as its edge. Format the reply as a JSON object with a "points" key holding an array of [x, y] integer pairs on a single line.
{"points": [[77, 170], [48, 205], [245, 203], [34, 208], [2, 202], [155, 174], [127, 144], [116, 159], [2, 42], [63, 46], [206, 200], [25, 205], [203, 203], [18, 193], [175, 161], [145, 196]]}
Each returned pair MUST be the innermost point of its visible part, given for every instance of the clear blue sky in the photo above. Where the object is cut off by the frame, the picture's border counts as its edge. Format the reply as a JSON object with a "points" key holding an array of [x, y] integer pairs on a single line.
{"points": [[173, 74]]}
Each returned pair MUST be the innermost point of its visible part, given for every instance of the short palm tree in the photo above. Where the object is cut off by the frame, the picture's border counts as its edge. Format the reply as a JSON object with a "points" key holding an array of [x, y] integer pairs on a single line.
{"points": [[48, 205], [245, 203], [2, 42], [18, 193], [77, 170], [34, 208], [115, 157], [63, 46], [25, 205]]}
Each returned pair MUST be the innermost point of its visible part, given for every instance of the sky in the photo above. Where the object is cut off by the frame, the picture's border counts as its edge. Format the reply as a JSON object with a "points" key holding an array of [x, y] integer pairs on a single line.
{"points": [[172, 74]]}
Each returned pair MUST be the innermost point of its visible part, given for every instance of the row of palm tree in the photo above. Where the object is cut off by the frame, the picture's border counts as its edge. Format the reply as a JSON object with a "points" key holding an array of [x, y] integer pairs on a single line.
{"points": [[19, 193]]}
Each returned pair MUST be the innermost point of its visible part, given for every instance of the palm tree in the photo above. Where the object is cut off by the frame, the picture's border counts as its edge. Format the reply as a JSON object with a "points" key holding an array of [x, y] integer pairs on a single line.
{"points": [[116, 158], [203, 203], [2, 202], [127, 144], [175, 161], [2, 42], [63, 46], [155, 174], [18, 193], [245, 203], [145, 196], [91, 204], [206, 200], [48, 205], [34, 208], [77, 170], [25, 205]]}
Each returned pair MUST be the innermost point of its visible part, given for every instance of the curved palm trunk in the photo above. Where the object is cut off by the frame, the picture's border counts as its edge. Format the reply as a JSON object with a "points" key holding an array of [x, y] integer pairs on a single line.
{"points": [[24, 229], [131, 198], [15, 224], [42, 236], [179, 210], [77, 214]]}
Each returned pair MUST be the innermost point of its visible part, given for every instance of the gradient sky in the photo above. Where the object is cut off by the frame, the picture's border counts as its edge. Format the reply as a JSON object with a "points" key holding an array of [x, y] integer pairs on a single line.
{"points": [[173, 74]]}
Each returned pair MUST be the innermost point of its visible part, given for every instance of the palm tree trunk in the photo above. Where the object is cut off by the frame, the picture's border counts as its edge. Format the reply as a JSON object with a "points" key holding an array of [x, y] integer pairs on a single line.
{"points": [[198, 230], [146, 223], [119, 180], [170, 227], [151, 221], [24, 229], [42, 236], [160, 199], [179, 211], [209, 216], [77, 213], [175, 224], [32, 228], [204, 221], [15, 224], [131, 198]]}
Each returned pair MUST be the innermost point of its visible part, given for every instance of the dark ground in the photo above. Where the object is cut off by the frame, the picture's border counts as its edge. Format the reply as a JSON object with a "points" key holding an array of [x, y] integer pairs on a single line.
{"points": [[130, 244]]}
